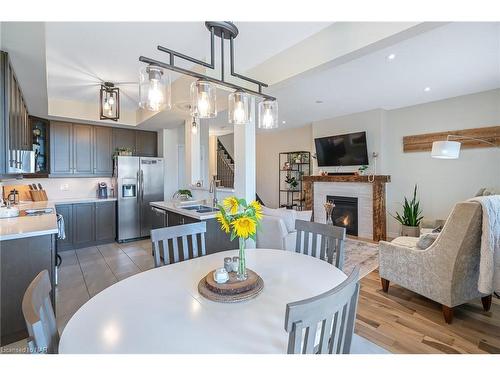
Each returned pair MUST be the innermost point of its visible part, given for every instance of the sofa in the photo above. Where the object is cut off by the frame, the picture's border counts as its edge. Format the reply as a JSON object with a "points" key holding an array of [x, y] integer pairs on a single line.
{"points": [[448, 270], [278, 228]]}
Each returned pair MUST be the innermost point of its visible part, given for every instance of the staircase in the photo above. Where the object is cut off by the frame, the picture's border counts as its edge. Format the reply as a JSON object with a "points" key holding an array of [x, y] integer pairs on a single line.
{"points": [[225, 166]]}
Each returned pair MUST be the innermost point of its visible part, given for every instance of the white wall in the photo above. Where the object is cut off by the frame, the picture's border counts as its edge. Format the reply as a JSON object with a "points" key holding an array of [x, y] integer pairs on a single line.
{"points": [[65, 188], [268, 147], [369, 121], [441, 182]]}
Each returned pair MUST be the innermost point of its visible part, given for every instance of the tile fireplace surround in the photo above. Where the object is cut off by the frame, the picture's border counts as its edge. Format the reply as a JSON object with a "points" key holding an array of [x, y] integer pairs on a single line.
{"points": [[371, 200]]}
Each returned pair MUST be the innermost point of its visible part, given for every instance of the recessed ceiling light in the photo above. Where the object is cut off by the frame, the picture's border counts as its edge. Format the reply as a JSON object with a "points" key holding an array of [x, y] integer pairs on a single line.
{"points": [[391, 57], [319, 101], [427, 89], [283, 122]]}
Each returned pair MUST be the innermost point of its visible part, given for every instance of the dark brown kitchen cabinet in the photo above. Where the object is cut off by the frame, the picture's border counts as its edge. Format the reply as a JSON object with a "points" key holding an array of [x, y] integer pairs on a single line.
{"points": [[124, 138], [146, 143], [87, 224], [66, 210], [103, 150], [83, 149], [83, 224], [15, 129], [105, 221], [61, 148], [20, 261]]}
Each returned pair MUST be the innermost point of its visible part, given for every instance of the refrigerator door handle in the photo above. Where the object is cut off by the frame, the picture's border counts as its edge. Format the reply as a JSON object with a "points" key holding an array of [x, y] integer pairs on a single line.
{"points": [[142, 186], [139, 183]]}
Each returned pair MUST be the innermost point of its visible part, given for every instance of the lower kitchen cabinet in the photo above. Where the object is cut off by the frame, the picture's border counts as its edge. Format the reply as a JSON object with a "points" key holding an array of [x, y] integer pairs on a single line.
{"points": [[84, 224], [21, 260], [87, 224], [105, 221]]}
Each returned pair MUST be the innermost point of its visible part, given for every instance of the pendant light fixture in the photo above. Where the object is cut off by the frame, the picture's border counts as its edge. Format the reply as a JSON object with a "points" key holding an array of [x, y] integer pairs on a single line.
{"points": [[268, 114], [154, 89], [194, 126], [203, 98], [239, 108], [109, 102]]}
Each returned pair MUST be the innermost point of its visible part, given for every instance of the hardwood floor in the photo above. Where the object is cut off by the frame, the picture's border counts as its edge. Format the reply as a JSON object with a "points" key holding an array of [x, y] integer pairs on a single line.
{"points": [[404, 322]]}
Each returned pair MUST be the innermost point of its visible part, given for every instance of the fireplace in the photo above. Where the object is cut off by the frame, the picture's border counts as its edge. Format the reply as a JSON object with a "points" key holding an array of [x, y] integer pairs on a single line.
{"points": [[345, 213]]}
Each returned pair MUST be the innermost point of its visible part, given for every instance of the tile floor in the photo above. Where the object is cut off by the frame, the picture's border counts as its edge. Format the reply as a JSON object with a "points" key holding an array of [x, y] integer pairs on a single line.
{"points": [[87, 271]]}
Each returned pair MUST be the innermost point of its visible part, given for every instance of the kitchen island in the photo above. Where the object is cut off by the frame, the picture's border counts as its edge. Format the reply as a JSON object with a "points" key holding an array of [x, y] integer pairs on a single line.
{"points": [[27, 246], [172, 213]]}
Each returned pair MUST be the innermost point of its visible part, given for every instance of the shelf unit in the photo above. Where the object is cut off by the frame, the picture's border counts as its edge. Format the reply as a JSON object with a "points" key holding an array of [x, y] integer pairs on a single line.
{"points": [[294, 164]]}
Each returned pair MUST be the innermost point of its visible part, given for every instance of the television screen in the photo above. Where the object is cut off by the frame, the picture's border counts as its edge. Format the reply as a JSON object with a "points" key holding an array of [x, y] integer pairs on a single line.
{"points": [[342, 150]]}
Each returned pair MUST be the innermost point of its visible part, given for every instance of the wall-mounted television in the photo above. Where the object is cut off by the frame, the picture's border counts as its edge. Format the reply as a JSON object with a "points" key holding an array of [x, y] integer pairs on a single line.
{"points": [[342, 150]]}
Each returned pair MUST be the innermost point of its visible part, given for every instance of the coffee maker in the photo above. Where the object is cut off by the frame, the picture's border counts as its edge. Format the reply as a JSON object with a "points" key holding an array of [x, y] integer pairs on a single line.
{"points": [[102, 190]]}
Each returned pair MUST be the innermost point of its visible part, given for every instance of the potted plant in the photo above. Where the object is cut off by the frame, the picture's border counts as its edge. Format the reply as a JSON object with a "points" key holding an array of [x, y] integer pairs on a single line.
{"points": [[292, 182], [362, 170], [411, 216]]}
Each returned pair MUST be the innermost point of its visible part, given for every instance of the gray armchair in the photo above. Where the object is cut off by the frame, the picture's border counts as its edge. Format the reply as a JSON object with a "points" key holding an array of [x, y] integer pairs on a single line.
{"points": [[447, 271]]}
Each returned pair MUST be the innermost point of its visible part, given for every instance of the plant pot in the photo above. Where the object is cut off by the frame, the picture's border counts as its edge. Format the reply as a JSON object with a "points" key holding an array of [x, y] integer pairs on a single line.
{"points": [[408, 231]]}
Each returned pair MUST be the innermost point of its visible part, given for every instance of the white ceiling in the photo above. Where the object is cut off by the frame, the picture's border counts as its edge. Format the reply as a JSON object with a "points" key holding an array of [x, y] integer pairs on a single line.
{"points": [[81, 55], [454, 59]]}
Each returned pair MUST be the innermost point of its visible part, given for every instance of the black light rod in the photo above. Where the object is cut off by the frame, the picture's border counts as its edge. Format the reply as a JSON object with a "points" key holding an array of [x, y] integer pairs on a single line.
{"points": [[173, 68], [185, 57], [234, 74]]}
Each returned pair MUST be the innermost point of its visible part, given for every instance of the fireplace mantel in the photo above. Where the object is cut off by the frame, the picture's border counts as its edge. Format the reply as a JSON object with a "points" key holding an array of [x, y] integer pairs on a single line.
{"points": [[378, 196], [348, 178]]}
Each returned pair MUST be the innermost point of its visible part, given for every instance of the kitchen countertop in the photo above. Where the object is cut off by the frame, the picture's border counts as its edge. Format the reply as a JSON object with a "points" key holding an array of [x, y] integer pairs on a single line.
{"points": [[176, 207], [29, 226], [39, 225], [82, 200]]}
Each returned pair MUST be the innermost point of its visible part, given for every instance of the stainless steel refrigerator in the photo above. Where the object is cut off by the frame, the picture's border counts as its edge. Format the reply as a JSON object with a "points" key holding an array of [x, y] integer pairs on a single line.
{"points": [[139, 181]]}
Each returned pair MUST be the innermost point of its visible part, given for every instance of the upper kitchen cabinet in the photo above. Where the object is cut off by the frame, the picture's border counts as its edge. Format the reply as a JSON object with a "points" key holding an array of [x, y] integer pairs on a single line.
{"points": [[83, 149], [61, 148], [146, 143], [124, 139], [103, 150], [15, 132]]}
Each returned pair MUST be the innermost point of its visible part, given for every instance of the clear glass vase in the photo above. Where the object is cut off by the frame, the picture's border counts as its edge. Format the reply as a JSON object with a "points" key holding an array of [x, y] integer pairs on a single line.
{"points": [[242, 267]]}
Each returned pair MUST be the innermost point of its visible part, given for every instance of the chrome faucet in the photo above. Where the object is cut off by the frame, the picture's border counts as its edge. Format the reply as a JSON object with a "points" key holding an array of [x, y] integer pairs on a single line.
{"points": [[213, 190]]}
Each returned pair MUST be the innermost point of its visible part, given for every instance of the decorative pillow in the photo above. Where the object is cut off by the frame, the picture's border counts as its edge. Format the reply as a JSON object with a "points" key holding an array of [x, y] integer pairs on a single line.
{"points": [[426, 240], [288, 216]]}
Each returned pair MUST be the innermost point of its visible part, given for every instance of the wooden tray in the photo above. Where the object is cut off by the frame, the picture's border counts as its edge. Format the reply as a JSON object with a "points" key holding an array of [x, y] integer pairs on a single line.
{"points": [[232, 290]]}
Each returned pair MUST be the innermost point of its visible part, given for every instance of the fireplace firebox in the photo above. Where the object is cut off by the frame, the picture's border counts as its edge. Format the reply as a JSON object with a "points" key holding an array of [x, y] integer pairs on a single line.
{"points": [[345, 213]]}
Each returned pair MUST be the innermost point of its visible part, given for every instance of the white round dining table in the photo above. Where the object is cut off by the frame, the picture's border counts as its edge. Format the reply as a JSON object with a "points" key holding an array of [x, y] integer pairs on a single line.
{"points": [[161, 311]]}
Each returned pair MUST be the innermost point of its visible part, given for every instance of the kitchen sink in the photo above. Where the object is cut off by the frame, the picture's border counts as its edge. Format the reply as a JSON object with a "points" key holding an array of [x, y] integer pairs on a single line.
{"points": [[207, 209], [200, 208]]}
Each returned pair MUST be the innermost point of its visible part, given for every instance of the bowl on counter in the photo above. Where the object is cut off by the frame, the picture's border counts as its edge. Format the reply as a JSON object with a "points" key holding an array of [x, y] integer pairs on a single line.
{"points": [[6, 212]]}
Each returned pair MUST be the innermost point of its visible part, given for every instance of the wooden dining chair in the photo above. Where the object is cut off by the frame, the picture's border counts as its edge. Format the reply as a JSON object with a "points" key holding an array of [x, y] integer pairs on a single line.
{"points": [[172, 242], [329, 238], [324, 324], [39, 316]]}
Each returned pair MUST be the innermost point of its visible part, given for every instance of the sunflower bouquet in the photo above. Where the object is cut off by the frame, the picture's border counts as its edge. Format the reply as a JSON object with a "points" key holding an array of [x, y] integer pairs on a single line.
{"points": [[239, 219]]}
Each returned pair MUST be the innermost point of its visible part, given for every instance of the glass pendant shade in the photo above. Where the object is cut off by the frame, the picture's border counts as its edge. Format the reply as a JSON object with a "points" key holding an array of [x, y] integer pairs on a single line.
{"points": [[203, 99], [445, 150], [268, 114], [109, 102], [154, 89], [239, 108]]}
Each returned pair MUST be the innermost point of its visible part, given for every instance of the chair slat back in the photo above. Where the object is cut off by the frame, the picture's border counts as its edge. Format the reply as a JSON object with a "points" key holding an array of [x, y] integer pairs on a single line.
{"points": [[324, 324], [39, 315], [329, 238], [180, 242]]}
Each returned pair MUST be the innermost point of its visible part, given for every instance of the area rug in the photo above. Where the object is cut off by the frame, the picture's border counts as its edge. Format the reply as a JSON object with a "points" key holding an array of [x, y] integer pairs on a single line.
{"points": [[362, 253]]}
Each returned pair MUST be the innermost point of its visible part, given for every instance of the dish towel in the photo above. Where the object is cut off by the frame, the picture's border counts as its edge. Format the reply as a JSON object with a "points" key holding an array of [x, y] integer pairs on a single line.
{"points": [[489, 264], [61, 234]]}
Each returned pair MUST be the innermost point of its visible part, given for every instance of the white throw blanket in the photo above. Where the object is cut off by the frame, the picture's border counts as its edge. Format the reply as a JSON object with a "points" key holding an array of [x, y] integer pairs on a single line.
{"points": [[489, 265]]}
